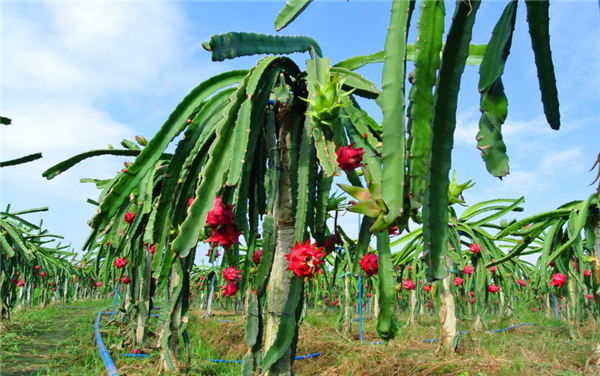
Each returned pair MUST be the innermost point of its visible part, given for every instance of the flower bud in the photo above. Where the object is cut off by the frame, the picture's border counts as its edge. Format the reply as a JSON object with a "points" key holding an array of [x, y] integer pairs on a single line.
{"points": [[141, 140]]}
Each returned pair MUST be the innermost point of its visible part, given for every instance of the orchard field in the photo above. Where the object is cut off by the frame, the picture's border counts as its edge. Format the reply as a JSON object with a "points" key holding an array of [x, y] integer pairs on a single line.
{"points": [[298, 212], [46, 341]]}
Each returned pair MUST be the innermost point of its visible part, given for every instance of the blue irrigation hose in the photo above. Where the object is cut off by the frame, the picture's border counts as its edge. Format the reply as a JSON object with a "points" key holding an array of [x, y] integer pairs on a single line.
{"points": [[491, 331], [210, 297], [155, 309], [554, 302], [241, 361], [136, 355], [360, 320], [224, 320], [111, 369], [112, 313], [307, 356], [64, 306], [154, 315]]}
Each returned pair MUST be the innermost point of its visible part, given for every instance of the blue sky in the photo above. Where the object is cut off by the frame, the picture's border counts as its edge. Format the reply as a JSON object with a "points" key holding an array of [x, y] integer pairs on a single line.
{"points": [[78, 76]]}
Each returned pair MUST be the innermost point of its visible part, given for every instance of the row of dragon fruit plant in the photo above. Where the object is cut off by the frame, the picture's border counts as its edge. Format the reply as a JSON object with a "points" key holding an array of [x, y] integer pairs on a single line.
{"points": [[257, 158]]}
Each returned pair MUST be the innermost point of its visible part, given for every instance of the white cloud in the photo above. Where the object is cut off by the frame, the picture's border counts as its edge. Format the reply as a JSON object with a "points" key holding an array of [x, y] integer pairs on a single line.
{"points": [[560, 161], [466, 126], [75, 77], [514, 131], [91, 49], [62, 128], [63, 64], [65, 129], [538, 179]]}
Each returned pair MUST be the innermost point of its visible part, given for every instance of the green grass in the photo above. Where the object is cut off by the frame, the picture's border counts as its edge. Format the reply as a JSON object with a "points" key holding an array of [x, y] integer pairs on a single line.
{"points": [[59, 341], [542, 350], [49, 341]]}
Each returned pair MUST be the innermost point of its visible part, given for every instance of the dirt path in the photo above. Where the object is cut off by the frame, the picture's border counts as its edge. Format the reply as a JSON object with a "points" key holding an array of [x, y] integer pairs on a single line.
{"points": [[30, 345]]}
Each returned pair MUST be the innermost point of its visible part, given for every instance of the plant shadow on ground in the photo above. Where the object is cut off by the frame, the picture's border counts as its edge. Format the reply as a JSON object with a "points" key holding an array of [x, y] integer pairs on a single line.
{"points": [[58, 342]]}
